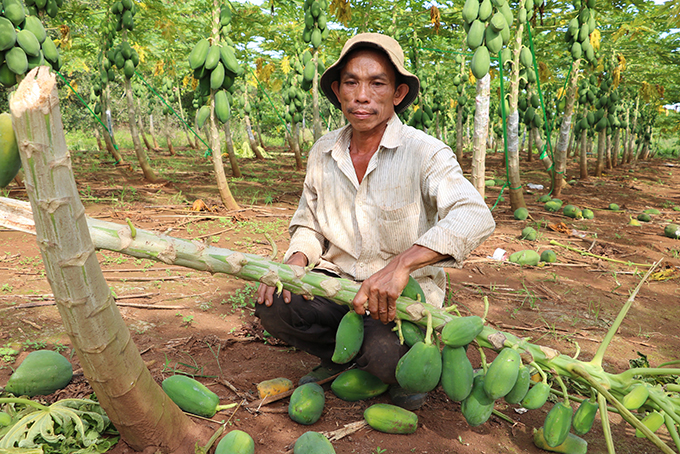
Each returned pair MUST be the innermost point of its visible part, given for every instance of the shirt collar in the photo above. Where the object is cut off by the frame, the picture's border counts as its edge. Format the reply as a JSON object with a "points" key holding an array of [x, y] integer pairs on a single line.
{"points": [[392, 137]]}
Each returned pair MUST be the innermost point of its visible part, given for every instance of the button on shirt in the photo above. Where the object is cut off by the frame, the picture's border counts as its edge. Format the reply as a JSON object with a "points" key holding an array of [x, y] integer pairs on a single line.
{"points": [[413, 192]]}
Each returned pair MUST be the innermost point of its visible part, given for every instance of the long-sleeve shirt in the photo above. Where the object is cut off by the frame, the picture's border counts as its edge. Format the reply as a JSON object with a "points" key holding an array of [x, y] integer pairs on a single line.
{"points": [[413, 192]]}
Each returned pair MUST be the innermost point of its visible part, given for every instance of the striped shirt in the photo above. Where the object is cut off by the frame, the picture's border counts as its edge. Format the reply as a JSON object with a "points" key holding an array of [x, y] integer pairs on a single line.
{"points": [[413, 192]]}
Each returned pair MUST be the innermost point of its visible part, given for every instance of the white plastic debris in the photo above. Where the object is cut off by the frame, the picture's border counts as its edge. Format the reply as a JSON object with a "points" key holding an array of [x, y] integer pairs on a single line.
{"points": [[534, 186]]}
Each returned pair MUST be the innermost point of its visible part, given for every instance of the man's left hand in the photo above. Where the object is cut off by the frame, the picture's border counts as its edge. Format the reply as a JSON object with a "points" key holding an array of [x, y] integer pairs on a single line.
{"points": [[379, 292]]}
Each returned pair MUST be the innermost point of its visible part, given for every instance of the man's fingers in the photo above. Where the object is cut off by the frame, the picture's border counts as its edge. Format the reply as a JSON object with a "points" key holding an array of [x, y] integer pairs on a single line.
{"points": [[359, 301]]}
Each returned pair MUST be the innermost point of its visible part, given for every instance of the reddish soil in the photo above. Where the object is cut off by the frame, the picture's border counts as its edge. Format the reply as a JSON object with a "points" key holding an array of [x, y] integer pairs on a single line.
{"points": [[210, 329]]}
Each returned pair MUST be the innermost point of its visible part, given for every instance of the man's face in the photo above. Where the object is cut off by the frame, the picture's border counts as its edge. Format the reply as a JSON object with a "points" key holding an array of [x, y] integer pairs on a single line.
{"points": [[366, 90]]}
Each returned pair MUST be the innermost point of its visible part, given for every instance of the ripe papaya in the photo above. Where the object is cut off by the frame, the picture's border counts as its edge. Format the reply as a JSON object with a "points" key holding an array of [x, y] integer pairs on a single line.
{"points": [[312, 443], [457, 373], [557, 424], [572, 445], [536, 396], [461, 331], [584, 417], [222, 108], [481, 62], [502, 373], [478, 406], [236, 442], [521, 386], [348, 338], [356, 384], [420, 369], [306, 403], [391, 419]]}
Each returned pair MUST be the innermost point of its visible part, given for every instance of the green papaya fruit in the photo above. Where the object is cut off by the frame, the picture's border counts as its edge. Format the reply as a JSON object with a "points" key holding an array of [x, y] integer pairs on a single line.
{"points": [[457, 373], [420, 369], [481, 62], [536, 396], [391, 419], [557, 424], [521, 386], [306, 403], [584, 417], [356, 384], [478, 406], [10, 159], [348, 338], [502, 373]]}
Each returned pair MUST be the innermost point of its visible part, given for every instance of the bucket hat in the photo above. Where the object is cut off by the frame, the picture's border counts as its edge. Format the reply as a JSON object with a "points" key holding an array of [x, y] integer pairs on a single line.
{"points": [[386, 44]]}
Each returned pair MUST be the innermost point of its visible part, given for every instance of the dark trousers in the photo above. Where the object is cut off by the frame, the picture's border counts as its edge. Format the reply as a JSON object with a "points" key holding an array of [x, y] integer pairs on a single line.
{"points": [[310, 326]]}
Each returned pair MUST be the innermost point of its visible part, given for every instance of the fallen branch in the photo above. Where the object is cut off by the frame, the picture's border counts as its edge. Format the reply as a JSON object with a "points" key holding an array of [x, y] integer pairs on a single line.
{"points": [[601, 257]]}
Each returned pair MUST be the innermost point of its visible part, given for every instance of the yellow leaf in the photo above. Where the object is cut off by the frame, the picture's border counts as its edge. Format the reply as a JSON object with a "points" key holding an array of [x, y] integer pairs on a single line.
{"points": [[285, 65], [187, 80], [595, 39], [158, 70]]}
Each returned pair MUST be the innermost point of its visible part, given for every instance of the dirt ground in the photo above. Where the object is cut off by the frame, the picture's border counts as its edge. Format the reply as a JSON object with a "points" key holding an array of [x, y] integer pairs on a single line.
{"points": [[202, 324]]}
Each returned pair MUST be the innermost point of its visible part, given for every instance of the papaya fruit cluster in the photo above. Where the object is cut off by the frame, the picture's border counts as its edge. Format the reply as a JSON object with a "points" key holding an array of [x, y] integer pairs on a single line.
{"points": [[304, 65], [24, 43], [467, 108], [604, 98], [166, 90], [297, 85], [49, 7], [487, 24], [123, 12], [215, 67], [124, 57], [315, 30], [422, 117], [579, 30]]}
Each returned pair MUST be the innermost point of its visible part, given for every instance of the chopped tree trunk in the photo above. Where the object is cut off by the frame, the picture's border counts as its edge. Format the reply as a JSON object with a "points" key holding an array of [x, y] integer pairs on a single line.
{"points": [[481, 133], [233, 160], [168, 134], [143, 414], [558, 179], [601, 145], [148, 172]]}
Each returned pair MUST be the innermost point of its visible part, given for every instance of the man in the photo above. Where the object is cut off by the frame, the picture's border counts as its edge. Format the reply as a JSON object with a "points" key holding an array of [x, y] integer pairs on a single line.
{"points": [[381, 201]]}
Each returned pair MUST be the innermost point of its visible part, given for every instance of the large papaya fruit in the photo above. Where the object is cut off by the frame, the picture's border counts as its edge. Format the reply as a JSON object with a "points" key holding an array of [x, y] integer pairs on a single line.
{"points": [[348, 338]]}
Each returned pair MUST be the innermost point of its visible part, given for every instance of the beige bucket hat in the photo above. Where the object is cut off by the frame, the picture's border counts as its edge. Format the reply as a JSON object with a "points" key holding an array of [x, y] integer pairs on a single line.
{"points": [[391, 48]]}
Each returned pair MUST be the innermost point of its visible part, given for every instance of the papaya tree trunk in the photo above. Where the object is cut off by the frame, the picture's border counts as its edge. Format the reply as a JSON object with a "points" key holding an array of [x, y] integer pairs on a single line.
{"points": [[143, 414], [98, 136], [168, 135], [616, 147], [295, 139], [601, 145], [233, 160], [459, 133], [148, 172], [631, 139], [251, 138], [481, 133], [563, 140], [529, 138], [608, 149], [316, 127], [152, 131], [191, 143], [514, 179], [140, 125], [583, 155], [108, 134]]}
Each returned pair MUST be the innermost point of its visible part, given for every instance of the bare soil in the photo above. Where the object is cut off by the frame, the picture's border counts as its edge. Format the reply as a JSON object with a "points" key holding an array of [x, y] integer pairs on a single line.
{"points": [[203, 324]]}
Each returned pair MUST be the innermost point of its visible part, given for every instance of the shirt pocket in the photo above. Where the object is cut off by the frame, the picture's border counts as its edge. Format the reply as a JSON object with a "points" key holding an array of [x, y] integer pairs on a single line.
{"points": [[398, 228]]}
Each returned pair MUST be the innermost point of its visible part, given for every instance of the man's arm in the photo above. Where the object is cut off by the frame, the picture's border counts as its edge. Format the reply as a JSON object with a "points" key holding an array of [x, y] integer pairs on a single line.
{"points": [[378, 294]]}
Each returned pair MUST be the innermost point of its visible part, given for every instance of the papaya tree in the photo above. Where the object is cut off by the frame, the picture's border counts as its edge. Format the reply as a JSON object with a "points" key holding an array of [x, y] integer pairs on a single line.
{"points": [[126, 58], [215, 67], [314, 33]]}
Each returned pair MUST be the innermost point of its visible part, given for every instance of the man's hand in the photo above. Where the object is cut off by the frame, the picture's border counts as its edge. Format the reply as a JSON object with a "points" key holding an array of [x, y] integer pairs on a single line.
{"points": [[379, 292], [265, 293]]}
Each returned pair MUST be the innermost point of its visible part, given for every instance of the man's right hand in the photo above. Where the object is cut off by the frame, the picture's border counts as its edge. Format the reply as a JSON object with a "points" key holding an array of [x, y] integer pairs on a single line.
{"points": [[265, 293]]}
